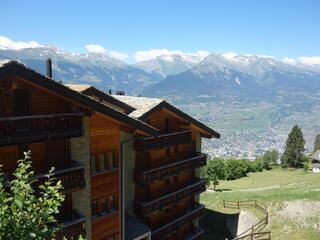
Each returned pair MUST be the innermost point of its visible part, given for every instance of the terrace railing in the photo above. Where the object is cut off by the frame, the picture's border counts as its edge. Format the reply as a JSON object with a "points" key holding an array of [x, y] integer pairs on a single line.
{"points": [[72, 178], [164, 140], [173, 169], [73, 228], [26, 129], [188, 217], [145, 208]]}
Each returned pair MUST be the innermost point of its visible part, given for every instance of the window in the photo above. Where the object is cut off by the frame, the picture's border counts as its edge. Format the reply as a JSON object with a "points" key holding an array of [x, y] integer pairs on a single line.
{"points": [[103, 205], [93, 164], [167, 125], [111, 163], [111, 203], [168, 152], [102, 161], [176, 149], [94, 208]]}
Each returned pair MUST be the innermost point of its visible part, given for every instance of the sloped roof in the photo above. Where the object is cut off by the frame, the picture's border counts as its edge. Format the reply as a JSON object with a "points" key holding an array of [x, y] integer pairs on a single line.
{"points": [[14, 68], [78, 87], [142, 105], [316, 155], [105, 98], [146, 106]]}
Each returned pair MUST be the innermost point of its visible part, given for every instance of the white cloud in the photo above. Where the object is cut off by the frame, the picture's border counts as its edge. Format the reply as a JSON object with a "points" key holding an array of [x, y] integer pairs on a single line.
{"points": [[140, 56], [229, 55], [309, 60], [95, 48], [118, 55], [289, 60], [8, 44]]}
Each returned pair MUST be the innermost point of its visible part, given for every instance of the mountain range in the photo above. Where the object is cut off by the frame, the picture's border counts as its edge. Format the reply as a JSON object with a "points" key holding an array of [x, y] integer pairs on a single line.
{"points": [[253, 101], [243, 74]]}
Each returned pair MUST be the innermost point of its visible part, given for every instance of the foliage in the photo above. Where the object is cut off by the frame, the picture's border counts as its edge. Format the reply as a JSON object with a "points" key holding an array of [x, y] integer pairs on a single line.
{"points": [[316, 143], [215, 172], [270, 158], [235, 169], [292, 156], [25, 213]]}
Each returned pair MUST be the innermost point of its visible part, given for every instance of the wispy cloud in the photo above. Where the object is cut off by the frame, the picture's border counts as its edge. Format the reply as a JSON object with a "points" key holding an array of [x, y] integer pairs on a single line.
{"points": [[289, 60], [8, 44], [95, 48], [310, 60], [145, 55], [119, 55]]}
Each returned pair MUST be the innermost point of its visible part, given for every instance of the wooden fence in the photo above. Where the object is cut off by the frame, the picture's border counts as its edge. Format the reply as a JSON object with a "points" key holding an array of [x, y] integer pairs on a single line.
{"points": [[253, 232]]}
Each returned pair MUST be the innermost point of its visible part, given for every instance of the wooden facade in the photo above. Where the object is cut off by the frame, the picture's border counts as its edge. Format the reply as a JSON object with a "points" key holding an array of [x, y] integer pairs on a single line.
{"points": [[166, 178], [46, 117], [104, 163], [36, 120]]}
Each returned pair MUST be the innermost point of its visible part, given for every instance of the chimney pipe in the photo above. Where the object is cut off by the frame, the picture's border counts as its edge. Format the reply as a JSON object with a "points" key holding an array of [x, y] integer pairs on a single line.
{"points": [[49, 67]]}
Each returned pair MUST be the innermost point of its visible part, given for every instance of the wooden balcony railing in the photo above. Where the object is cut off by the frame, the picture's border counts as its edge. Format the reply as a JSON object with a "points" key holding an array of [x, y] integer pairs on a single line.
{"points": [[192, 214], [173, 169], [26, 129], [145, 208], [72, 178], [195, 234], [73, 228], [165, 140]]}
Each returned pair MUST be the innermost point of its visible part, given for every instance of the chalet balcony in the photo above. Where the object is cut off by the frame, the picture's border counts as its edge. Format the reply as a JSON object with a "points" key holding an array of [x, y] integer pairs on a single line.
{"points": [[72, 178], [193, 189], [72, 228], [173, 169], [33, 128], [172, 226], [195, 234], [165, 140]]}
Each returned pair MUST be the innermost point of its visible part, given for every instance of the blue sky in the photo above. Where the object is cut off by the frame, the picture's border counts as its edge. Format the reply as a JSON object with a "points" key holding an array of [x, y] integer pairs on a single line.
{"points": [[277, 28]]}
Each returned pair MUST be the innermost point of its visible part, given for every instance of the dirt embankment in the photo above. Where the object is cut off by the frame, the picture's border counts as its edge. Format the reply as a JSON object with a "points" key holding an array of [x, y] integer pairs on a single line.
{"points": [[302, 212]]}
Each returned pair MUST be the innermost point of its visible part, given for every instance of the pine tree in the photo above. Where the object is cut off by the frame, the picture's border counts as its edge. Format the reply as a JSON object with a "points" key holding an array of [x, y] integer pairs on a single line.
{"points": [[292, 156], [316, 143]]}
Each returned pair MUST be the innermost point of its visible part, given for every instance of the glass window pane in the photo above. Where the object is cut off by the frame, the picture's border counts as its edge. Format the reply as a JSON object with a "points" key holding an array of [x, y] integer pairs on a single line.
{"points": [[111, 202], [110, 160], [102, 161], [93, 166], [94, 208], [103, 205]]}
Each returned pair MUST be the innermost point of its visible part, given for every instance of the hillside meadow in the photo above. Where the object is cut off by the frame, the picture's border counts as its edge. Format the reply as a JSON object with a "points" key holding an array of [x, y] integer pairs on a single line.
{"points": [[292, 197]]}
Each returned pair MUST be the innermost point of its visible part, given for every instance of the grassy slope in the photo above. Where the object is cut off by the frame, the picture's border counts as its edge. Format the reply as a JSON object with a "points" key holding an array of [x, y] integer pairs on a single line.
{"points": [[273, 188]]}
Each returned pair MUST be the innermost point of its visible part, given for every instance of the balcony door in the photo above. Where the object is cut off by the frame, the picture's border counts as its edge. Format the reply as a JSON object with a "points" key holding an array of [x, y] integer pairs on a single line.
{"points": [[56, 154], [22, 106]]}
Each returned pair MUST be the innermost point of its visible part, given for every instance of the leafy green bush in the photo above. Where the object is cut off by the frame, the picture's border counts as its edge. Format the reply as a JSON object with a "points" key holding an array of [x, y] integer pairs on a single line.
{"points": [[25, 214]]}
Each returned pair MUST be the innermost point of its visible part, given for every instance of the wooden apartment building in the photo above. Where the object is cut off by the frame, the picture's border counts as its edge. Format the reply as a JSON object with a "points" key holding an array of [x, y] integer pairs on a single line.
{"points": [[129, 165]]}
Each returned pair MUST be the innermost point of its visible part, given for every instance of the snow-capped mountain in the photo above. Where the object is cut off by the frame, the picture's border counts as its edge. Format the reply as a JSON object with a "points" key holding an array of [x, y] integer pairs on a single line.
{"points": [[96, 69], [168, 64], [240, 73], [249, 74]]}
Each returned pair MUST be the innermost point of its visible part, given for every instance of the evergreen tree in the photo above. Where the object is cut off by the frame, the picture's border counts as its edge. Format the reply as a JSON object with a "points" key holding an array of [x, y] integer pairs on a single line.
{"points": [[316, 143], [292, 156]]}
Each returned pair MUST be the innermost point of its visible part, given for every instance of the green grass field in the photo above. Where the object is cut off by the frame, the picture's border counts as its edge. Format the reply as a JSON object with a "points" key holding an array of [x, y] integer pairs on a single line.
{"points": [[274, 188]]}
